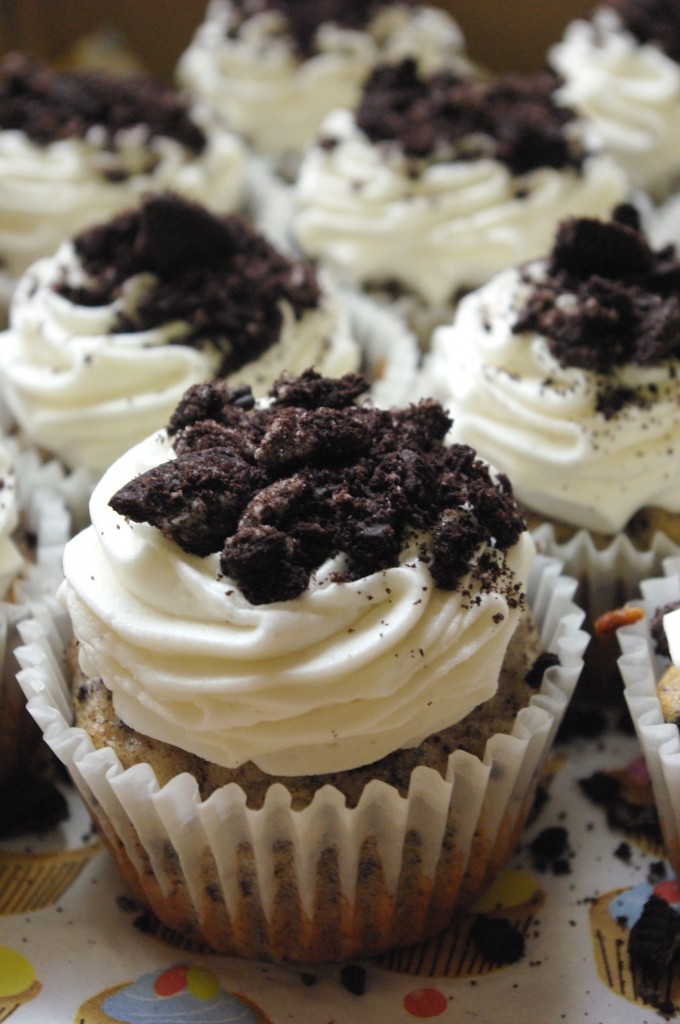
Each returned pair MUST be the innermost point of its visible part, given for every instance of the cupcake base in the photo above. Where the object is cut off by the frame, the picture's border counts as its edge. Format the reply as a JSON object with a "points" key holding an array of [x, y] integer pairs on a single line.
{"points": [[326, 882]]}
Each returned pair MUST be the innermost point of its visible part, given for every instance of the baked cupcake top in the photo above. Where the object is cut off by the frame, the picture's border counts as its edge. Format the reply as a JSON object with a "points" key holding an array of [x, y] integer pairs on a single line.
{"points": [[436, 182], [274, 69], [621, 71], [307, 582], [564, 372], [76, 147], [106, 335]]}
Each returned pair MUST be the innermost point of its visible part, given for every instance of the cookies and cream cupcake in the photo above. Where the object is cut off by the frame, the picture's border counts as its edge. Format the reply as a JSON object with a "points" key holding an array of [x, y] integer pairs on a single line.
{"points": [[621, 72], [311, 701], [78, 147], [107, 334], [433, 184], [564, 373], [274, 69]]}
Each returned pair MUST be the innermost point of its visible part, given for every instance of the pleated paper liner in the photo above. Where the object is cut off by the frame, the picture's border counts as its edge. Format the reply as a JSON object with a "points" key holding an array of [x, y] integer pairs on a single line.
{"points": [[328, 882]]}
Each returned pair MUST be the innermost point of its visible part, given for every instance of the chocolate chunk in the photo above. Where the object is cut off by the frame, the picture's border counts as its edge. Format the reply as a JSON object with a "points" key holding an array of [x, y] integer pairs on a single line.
{"points": [[544, 661], [49, 105], [653, 947], [652, 21], [216, 275], [513, 119], [497, 939], [278, 489], [607, 299]]}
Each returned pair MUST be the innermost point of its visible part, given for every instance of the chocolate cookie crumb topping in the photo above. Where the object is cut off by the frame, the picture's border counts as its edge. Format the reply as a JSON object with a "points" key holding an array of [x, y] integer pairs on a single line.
{"points": [[49, 105], [652, 21], [217, 275], [512, 119], [607, 299], [279, 489], [653, 948], [303, 20]]}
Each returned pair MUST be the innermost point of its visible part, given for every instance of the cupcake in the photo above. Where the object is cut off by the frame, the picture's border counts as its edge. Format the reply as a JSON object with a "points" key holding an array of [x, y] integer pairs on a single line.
{"points": [[310, 545], [434, 184], [77, 147], [274, 69], [108, 333], [621, 73], [563, 372], [648, 664]]}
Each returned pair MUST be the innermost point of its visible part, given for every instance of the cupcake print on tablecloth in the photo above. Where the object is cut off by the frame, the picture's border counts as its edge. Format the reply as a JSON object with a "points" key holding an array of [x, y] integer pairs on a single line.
{"points": [[182, 992], [18, 983]]}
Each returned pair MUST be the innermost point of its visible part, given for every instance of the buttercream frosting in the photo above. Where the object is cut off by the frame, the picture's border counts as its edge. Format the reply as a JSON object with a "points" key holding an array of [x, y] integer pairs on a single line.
{"points": [[359, 207], [538, 420], [627, 91], [336, 677]]}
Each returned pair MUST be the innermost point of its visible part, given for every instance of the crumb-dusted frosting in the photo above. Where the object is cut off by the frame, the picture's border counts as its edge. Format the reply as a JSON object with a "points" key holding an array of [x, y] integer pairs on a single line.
{"points": [[436, 183], [275, 69], [107, 335], [621, 72], [319, 582], [564, 373], [78, 147]]}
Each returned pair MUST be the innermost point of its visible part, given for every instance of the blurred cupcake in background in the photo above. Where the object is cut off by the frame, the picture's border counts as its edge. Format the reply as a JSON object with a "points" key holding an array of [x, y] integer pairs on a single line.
{"points": [[107, 334], [565, 374], [433, 184], [76, 147], [621, 73], [274, 68]]}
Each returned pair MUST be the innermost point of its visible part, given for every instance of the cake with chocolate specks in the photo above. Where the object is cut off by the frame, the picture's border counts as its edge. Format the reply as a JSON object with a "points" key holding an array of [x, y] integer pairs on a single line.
{"points": [[621, 72], [78, 147], [106, 335], [307, 620], [274, 68], [432, 184]]}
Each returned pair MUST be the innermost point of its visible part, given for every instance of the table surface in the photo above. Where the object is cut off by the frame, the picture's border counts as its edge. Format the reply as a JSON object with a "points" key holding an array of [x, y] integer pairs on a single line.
{"points": [[91, 937]]}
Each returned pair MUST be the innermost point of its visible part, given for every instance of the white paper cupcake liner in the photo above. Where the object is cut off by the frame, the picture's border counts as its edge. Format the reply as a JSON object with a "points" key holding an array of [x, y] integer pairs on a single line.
{"points": [[608, 577], [641, 669], [326, 882]]}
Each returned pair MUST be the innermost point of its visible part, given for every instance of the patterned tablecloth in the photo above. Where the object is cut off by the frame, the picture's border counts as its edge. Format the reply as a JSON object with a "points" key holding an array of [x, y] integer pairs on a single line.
{"points": [[74, 947]]}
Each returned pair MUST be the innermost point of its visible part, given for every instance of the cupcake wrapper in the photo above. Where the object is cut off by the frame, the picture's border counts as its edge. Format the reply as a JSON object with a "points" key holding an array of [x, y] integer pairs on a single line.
{"points": [[608, 577], [326, 882], [641, 668]]}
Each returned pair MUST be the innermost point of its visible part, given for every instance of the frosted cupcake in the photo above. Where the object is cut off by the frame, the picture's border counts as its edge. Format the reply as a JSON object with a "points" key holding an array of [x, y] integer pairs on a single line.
{"points": [[107, 334], [621, 72], [311, 616], [564, 373], [649, 667], [433, 184], [274, 69], [78, 147]]}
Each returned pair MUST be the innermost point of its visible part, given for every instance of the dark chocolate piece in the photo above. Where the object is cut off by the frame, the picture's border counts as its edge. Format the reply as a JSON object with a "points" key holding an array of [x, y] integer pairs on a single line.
{"points": [[279, 490], [217, 275], [49, 105], [513, 119]]}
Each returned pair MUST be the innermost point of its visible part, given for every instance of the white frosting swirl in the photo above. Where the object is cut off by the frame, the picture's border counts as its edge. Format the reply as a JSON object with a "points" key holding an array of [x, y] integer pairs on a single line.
{"points": [[50, 192], [453, 226], [537, 421], [629, 93], [253, 77], [333, 679], [87, 394]]}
